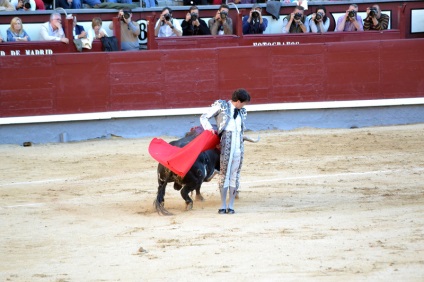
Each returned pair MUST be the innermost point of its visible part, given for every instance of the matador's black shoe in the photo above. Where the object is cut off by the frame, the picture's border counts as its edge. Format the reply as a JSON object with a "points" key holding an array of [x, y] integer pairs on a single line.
{"points": [[230, 211], [222, 211]]}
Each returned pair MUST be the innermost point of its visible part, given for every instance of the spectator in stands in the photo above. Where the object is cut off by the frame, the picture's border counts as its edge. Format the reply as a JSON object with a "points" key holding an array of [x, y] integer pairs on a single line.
{"points": [[129, 31], [375, 20], [52, 30], [221, 23], [6, 6], [254, 23], [318, 22], [149, 3], [296, 21], [23, 5], [97, 31], [193, 24], [39, 5], [350, 21], [195, 2], [78, 31], [1, 38], [16, 31], [125, 1], [166, 26], [244, 1], [65, 4], [76, 4]]}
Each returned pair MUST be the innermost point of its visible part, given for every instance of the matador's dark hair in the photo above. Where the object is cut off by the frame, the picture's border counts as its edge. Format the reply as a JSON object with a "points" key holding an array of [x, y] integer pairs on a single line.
{"points": [[241, 95]]}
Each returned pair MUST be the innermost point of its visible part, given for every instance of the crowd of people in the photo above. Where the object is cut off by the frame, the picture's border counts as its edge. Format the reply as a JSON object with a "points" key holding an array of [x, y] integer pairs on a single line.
{"points": [[193, 24], [255, 23]]}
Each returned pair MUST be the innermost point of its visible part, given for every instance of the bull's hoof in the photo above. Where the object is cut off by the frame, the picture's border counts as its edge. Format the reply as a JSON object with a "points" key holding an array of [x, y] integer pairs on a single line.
{"points": [[189, 206], [199, 197]]}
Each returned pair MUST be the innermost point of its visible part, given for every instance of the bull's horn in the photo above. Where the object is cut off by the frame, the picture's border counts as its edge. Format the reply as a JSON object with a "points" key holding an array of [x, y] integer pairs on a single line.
{"points": [[246, 138]]}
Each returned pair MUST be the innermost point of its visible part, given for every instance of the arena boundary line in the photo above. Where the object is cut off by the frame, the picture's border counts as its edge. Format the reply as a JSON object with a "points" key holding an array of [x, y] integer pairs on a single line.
{"points": [[176, 122], [196, 111]]}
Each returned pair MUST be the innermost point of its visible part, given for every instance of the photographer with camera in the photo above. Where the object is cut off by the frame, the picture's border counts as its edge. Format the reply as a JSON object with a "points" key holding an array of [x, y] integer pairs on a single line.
{"points": [[295, 22], [318, 21], [129, 31], [254, 23], [25, 5], [375, 20], [193, 24], [166, 26], [350, 21], [221, 24]]}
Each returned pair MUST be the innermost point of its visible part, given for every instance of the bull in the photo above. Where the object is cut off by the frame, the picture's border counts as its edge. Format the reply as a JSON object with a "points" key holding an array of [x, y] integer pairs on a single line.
{"points": [[204, 169]]}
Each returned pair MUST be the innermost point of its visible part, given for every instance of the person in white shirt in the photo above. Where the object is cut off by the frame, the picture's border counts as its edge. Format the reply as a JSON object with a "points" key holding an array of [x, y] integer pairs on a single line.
{"points": [[52, 30], [97, 31], [166, 26], [318, 22]]}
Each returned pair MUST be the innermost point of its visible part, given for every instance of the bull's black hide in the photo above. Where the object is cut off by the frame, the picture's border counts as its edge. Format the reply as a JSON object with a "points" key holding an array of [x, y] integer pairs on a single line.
{"points": [[202, 170]]}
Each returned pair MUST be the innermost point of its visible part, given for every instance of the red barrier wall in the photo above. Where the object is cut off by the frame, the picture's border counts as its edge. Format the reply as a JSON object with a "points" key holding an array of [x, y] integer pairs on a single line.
{"points": [[81, 83]]}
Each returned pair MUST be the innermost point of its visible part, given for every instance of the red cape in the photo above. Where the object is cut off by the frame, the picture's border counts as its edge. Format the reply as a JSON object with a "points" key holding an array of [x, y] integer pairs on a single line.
{"points": [[180, 160]]}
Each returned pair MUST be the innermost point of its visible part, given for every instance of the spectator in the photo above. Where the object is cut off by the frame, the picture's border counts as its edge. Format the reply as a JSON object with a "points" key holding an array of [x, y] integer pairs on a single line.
{"points": [[78, 31], [193, 24], [129, 31], [195, 2], [97, 31], [149, 3], [76, 4], [1, 38], [221, 23], [23, 5], [6, 6], [16, 31], [375, 20], [65, 4], [230, 119], [318, 22], [52, 30], [166, 26], [39, 5], [295, 22], [243, 1], [350, 21], [254, 23], [123, 1]]}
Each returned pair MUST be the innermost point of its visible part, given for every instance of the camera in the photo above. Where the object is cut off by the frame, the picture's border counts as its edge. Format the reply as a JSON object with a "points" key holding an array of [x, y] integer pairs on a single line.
{"points": [[319, 16], [297, 16], [352, 14], [126, 15], [223, 14], [194, 16], [373, 12], [255, 15], [27, 4], [167, 17]]}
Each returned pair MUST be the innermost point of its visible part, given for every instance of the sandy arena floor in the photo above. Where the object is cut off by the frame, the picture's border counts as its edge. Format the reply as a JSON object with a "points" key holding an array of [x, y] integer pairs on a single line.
{"points": [[333, 205]]}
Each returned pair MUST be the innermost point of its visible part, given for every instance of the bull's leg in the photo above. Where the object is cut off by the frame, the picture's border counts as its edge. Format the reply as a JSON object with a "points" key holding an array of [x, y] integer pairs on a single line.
{"points": [[163, 179], [199, 196], [184, 193]]}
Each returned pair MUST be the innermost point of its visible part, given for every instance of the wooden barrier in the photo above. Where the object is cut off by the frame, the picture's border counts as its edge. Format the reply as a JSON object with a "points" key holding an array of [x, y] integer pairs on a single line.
{"points": [[160, 79]]}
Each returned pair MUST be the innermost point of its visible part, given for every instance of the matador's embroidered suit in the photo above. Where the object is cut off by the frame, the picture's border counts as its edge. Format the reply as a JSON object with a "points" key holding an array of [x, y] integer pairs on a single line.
{"points": [[230, 129]]}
